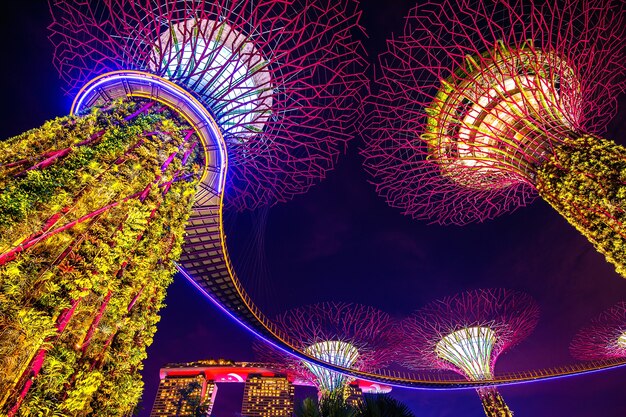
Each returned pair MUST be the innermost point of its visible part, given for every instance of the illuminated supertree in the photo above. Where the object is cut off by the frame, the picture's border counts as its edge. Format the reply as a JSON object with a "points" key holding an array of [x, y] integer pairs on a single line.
{"points": [[93, 206], [282, 79], [483, 105], [348, 335], [466, 333], [604, 338]]}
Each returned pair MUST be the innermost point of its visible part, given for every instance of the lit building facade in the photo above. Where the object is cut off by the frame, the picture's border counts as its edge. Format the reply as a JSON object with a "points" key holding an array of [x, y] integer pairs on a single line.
{"points": [[184, 396], [353, 394], [267, 396], [190, 389]]}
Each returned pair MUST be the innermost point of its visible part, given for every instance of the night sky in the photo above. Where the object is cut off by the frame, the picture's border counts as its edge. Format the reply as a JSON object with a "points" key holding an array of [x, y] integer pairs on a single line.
{"points": [[341, 242]]}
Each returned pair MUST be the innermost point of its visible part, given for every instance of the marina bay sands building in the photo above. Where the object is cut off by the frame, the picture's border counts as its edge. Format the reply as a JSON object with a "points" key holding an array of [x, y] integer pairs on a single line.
{"points": [[267, 395], [190, 389], [184, 396]]}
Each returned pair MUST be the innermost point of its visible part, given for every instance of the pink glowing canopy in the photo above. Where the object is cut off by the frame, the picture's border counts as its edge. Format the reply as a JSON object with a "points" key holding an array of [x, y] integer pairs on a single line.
{"points": [[502, 317], [358, 337], [604, 337], [474, 93], [283, 79]]}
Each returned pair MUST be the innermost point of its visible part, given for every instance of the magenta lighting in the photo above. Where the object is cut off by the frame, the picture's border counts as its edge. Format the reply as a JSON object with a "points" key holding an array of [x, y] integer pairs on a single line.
{"points": [[475, 95], [466, 333], [604, 338], [283, 79], [347, 335]]}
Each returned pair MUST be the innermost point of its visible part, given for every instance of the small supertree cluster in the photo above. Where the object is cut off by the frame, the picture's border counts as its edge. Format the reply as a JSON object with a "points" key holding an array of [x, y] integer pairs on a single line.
{"points": [[466, 333], [347, 335], [604, 337], [483, 104], [283, 79]]}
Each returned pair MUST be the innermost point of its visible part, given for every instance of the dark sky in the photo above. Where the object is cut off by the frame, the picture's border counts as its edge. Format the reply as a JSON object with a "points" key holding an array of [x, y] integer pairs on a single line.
{"points": [[341, 242]]}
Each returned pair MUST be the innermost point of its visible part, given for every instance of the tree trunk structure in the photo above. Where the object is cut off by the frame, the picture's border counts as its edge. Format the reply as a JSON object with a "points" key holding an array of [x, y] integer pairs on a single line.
{"points": [[92, 214], [493, 403], [584, 179]]}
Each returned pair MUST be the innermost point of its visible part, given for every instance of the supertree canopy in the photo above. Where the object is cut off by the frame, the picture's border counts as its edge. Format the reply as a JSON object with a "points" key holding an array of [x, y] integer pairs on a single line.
{"points": [[283, 79], [483, 105], [348, 335], [466, 333], [94, 206], [604, 338]]}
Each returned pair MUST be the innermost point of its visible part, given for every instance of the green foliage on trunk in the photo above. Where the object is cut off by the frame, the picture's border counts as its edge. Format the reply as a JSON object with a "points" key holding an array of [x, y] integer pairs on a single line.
{"points": [[127, 208], [585, 181], [493, 403]]}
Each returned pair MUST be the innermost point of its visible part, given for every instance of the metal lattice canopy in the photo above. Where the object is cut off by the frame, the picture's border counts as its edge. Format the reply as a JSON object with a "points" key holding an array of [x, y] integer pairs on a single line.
{"points": [[604, 337], [474, 94], [347, 335], [466, 333], [283, 79]]}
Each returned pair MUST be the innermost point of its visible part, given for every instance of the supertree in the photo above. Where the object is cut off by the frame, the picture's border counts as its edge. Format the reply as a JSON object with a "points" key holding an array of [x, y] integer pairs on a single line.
{"points": [[483, 105], [281, 78], [93, 206], [348, 335], [466, 333], [604, 338]]}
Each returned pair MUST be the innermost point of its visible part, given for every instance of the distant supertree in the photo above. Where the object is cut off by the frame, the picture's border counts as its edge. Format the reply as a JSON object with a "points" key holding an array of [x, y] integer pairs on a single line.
{"points": [[482, 105], [466, 333], [348, 335], [604, 337], [94, 206], [281, 78]]}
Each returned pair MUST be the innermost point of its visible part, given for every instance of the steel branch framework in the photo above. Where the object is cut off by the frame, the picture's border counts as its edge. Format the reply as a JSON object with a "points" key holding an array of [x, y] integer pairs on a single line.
{"points": [[604, 337], [475, 94], [475, 324], [346, 335], [283, 79], [466, 333]]}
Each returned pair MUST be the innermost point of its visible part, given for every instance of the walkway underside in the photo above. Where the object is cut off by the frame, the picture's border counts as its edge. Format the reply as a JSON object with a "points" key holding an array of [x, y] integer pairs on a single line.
{"points": [[205, 260]]}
